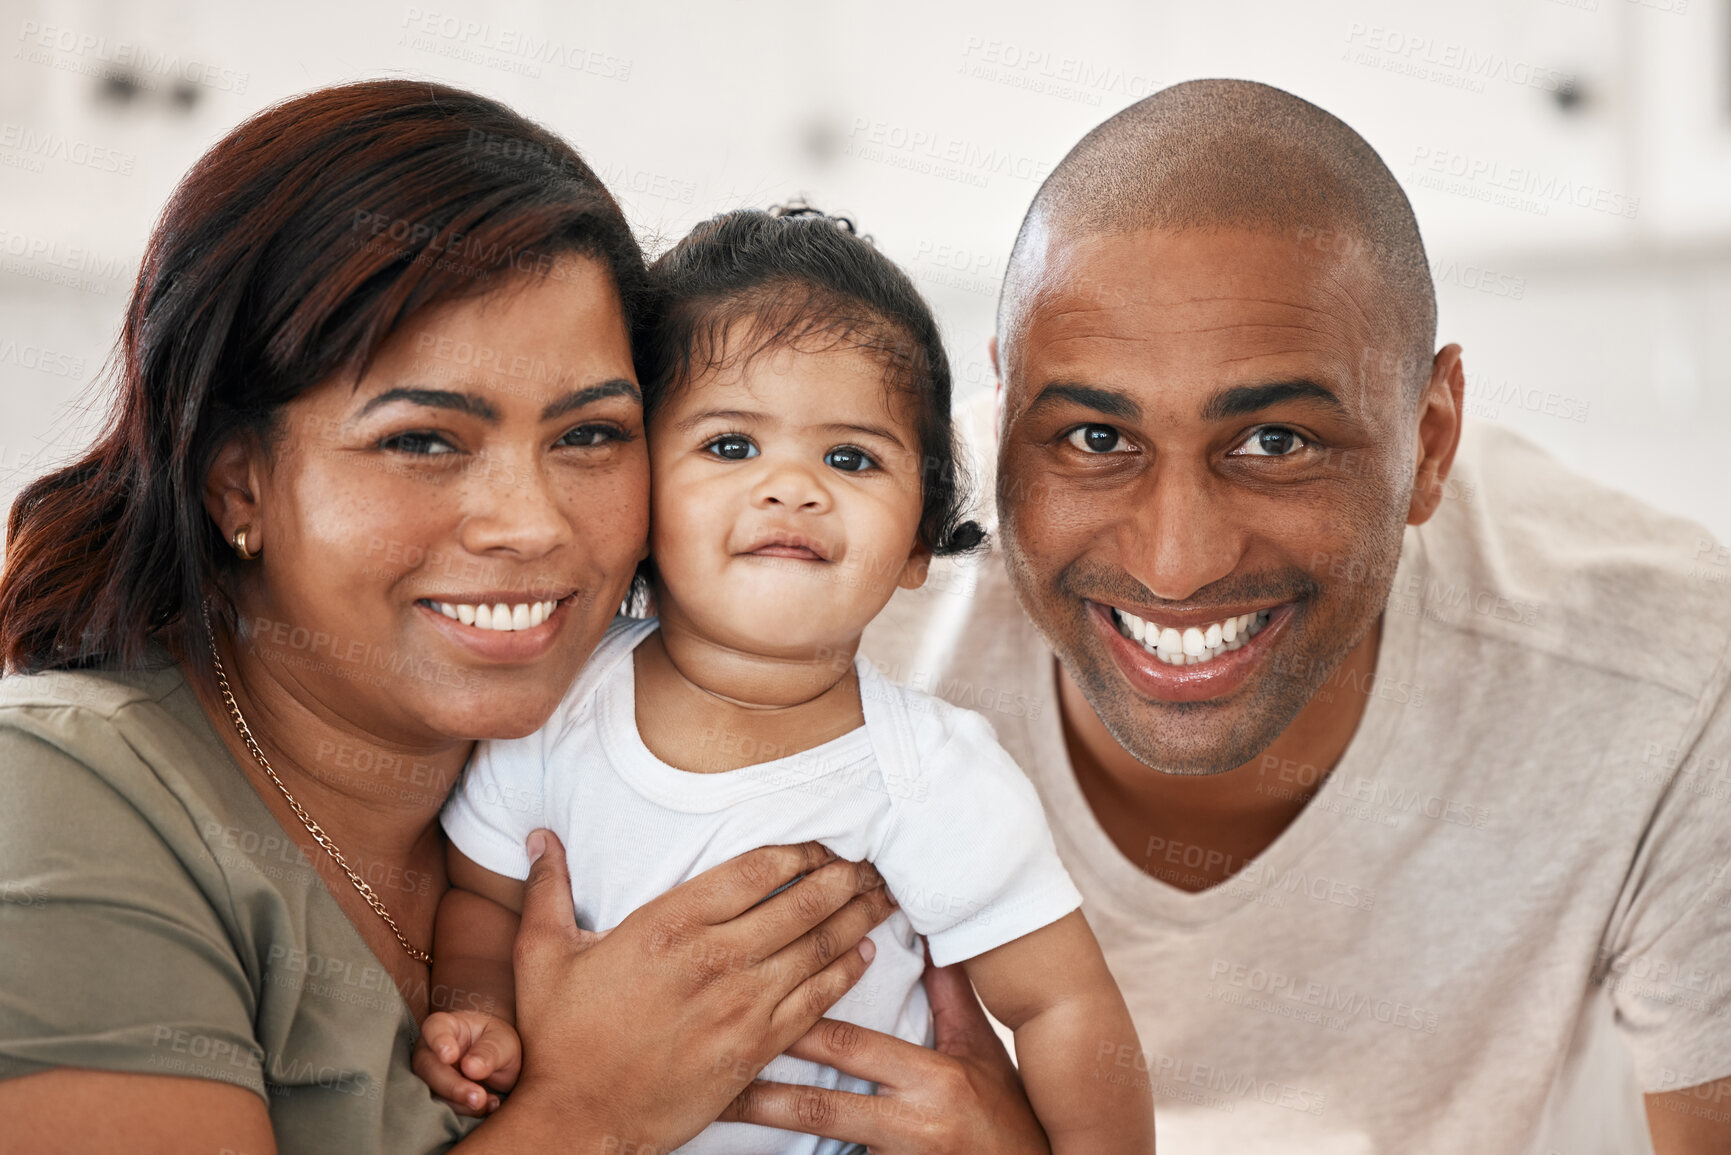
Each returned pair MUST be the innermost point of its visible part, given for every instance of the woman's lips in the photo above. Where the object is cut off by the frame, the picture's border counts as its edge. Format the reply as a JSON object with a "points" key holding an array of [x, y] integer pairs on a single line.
{"points": [[1214, 678], [517, 644]]}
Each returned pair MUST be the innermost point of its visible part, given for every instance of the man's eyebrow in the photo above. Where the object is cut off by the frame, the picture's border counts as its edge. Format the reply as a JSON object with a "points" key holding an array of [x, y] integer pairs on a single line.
{"points": [[888, 435], [1107, 401], [740, 416], [577, 398], [1245, 399], [469, 403]]}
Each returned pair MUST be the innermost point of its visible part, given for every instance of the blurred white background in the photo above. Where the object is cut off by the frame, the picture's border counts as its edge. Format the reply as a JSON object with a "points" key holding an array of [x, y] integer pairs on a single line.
{"points": [[1569, 160]]}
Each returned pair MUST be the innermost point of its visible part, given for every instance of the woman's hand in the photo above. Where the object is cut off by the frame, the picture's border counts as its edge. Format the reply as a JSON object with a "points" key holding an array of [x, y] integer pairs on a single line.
{"points": [[961, 1097], [643, 1035]]}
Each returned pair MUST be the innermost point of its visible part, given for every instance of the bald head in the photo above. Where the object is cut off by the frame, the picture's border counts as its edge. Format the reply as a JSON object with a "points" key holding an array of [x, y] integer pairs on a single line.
{"points": [[1233, 154]]}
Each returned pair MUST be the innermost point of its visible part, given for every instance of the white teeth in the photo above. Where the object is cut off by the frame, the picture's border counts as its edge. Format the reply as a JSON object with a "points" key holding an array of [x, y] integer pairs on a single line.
{"points": [[499, 616], [1195, 644]]}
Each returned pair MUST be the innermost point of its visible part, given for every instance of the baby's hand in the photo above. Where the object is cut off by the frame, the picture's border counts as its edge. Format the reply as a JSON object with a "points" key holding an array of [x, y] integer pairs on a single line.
{"points": [[464, 1055]]}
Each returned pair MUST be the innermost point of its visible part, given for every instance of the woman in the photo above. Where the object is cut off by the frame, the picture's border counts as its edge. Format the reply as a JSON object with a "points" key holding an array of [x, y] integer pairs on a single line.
{"points": [[377, 360]]}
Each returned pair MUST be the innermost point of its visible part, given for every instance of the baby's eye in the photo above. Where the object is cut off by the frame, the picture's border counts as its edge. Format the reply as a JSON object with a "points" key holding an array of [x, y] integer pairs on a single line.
{"points": [[419, 442], [1098, 439], [848, 459], [732, 447], [1271, 441]]}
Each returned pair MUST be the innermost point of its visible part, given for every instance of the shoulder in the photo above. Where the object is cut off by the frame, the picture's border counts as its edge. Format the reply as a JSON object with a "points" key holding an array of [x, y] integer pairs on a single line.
{"points": [[610, 660], [101, 692], [118, 723], [1525, 550]]}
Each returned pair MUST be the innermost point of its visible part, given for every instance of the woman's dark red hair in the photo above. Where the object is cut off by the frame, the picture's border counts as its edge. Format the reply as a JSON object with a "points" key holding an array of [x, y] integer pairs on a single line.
{"points": [[288, 253]]}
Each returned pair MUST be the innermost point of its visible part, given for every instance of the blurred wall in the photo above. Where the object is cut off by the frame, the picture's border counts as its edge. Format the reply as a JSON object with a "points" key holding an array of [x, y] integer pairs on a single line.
{"points": [[1569, 160]]}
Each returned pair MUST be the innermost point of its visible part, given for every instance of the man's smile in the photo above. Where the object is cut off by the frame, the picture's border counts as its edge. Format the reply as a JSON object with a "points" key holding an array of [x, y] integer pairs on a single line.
{"points": [[1159, 665], [1182, 644]]}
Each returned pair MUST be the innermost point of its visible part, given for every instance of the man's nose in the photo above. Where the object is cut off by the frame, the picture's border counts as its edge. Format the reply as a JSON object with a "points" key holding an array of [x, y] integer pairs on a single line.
{"points": [[1181, 536], [792, 486]]}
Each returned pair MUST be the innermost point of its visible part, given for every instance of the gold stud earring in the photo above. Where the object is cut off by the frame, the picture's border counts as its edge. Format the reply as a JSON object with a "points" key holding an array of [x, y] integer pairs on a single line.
{"points": [[240, 549]]}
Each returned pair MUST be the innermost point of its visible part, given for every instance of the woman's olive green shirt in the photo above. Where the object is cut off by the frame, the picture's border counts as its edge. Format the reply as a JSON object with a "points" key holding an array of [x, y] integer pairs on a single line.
{"points": [[154, 917]]}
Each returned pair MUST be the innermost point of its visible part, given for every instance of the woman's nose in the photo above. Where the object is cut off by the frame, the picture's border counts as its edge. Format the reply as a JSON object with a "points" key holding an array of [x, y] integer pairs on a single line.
{"points": [[513, 508]]}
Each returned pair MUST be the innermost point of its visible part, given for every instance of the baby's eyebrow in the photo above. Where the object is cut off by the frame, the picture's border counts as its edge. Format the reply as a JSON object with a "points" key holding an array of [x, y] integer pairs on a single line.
{"points": [[870, 431], [686, 424]]}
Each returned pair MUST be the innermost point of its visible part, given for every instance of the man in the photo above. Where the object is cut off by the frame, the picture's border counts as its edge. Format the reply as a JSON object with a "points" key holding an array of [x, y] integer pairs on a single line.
{"points": [[1396, 783]]}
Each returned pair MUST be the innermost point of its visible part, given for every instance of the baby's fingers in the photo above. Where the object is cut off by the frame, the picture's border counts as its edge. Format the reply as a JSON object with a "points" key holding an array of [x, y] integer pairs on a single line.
{"points": [[463, 1096], [495, 1057], [445, 1036]]}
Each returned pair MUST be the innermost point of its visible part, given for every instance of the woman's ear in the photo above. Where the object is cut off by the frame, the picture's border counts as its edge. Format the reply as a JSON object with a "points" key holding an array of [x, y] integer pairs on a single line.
{"points": [[231, 489]]}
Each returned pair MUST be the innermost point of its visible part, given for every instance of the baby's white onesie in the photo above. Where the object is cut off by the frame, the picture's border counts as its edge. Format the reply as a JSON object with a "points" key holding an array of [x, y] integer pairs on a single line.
{"points": [[922, 790]]}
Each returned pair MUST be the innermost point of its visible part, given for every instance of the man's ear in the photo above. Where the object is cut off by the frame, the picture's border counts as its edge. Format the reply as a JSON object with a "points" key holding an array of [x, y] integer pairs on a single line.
{"points": [[914, 570], [997, 377], [1439, 433], [232, 487]]}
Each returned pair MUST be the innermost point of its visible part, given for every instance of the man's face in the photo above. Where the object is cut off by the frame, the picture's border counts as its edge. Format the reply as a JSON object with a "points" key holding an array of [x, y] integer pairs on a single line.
{"points": [[1207, 458]]}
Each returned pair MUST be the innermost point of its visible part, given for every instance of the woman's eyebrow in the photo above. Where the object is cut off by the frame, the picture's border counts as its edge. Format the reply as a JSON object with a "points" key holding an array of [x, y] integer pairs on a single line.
{"points": [[470, 403], [577, 398]]}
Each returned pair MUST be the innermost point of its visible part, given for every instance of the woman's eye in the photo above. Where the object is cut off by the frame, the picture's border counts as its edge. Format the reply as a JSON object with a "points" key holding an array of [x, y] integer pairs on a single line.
{"points": [[848, 459], [1098, 439], [588, 435], [1273, 441], [732, 448], [420, 443]]}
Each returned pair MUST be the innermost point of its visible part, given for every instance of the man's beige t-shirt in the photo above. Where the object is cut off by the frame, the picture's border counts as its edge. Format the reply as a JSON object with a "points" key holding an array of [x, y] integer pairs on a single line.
{"points": [[156, 918], [1506, 913]]}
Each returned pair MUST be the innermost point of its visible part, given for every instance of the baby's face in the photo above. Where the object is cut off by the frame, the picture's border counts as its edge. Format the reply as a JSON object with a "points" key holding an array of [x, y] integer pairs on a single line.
{"points": [[786, 501]]}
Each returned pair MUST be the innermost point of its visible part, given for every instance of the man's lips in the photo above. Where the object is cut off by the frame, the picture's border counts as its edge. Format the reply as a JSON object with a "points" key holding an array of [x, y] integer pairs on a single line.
{"points": [[1205, 664]]}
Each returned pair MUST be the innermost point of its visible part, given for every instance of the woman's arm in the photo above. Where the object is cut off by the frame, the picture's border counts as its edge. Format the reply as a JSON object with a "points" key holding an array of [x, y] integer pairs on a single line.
{"points": [[640, 1036], [960, 1097]]}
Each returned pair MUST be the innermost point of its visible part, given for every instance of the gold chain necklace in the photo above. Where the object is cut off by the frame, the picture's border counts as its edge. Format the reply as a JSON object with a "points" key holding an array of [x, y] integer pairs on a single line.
{"points": [[313, 828]]}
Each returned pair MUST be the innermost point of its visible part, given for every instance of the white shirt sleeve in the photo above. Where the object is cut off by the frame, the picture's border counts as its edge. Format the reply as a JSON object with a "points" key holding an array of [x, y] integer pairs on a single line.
{"points": [[500, 799], [968, 853], [1666, 962]]}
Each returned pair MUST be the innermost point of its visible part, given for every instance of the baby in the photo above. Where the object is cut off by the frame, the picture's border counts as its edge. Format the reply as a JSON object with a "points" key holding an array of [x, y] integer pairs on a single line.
{"points": [[797, 398]]}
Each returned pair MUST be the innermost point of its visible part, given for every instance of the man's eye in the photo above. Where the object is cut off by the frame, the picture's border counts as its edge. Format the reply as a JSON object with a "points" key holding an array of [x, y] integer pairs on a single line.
{"points": [[420, 443], [1272, 441], [589, 435], [848, 459], [732, 447], [1098, 439]]}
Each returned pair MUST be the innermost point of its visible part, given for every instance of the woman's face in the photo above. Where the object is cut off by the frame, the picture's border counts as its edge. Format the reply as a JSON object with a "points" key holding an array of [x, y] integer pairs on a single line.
{"points": [[491, 456]]}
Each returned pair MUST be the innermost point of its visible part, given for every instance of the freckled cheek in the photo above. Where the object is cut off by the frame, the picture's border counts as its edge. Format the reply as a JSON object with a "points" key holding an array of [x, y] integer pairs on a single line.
{"points": [[609, 519], [360, 522]]}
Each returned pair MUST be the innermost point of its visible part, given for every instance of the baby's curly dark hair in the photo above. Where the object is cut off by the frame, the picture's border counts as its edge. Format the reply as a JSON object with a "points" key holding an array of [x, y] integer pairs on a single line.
{"points": [[794, 276]]}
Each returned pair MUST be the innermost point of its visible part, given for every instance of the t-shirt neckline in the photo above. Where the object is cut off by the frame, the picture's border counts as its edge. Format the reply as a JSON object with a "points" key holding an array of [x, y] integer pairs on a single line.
{"points": [[694, 793], [1138, 893]]}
